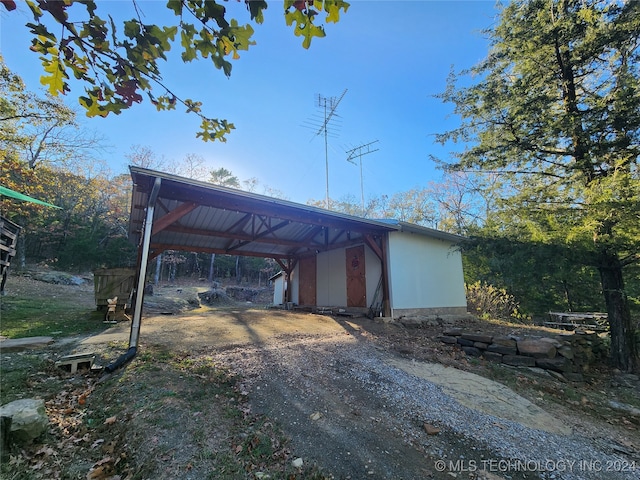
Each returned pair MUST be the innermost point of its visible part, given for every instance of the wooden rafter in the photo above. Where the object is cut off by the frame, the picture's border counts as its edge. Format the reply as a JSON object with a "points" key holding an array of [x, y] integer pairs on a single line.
{"points": [[173, 216]]}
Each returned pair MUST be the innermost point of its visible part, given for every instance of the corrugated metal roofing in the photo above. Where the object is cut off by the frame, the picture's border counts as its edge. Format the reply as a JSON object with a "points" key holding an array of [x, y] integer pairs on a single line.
{"points": [[197, 216]]}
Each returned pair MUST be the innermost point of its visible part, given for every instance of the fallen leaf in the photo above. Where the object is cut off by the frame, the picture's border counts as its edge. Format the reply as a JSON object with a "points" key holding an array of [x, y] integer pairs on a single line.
{"points": [[97, 442], [110, 420], [99, 473], [103, 461]]}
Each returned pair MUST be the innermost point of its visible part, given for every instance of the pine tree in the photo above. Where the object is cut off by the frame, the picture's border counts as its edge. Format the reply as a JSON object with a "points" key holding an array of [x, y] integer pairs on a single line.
{"points": [[554, 110]]}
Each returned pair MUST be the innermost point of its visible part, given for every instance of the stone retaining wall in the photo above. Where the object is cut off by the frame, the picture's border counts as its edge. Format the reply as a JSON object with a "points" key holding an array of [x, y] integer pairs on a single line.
{"points": [[570, 354]]}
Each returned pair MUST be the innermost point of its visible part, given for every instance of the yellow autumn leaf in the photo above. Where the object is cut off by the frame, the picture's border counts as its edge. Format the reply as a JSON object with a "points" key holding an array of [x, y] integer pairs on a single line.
{"points": [[53, 81], [333, 14]]}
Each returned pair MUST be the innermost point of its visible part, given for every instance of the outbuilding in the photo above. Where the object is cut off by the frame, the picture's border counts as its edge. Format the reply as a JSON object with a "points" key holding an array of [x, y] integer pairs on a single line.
{"points": [[328, 259]]}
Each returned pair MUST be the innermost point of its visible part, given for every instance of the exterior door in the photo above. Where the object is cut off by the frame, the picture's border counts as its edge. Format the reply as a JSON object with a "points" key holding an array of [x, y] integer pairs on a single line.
{"points": [[307, 284], [356, 278]]}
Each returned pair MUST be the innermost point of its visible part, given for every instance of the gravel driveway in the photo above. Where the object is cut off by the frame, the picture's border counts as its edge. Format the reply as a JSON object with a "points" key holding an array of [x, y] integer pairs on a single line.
{"points": [[350, 408]]}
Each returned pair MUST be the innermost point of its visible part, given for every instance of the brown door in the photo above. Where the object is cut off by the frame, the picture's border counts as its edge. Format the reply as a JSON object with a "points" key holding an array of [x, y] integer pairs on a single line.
{"points": [[356, 279], [307, 289]]}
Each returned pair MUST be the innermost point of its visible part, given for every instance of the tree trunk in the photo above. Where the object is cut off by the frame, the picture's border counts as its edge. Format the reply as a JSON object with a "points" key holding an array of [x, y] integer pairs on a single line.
{"points": [[22, 256], [213, 259], [156, 278], [624, 349]]}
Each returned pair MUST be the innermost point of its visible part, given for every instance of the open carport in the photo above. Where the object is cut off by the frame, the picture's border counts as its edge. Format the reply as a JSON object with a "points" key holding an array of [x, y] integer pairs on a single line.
{"points": [[329, 259]]}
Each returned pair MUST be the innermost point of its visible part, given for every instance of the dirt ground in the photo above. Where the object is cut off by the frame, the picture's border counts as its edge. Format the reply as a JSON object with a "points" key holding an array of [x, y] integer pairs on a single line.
{"points": [[324, 380]]}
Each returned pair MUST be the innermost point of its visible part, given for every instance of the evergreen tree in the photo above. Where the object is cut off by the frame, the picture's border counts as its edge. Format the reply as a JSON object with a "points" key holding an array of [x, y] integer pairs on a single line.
{"points": [[554, 110]]}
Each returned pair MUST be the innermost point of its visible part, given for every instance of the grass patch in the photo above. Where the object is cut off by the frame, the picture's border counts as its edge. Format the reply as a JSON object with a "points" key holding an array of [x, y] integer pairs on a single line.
{"points": [[32, 317], [22, 374]]}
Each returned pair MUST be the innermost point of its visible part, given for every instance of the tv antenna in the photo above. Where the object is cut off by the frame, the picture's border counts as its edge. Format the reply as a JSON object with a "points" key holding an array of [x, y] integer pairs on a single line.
{"points": [[359, 152], [329, 106]]}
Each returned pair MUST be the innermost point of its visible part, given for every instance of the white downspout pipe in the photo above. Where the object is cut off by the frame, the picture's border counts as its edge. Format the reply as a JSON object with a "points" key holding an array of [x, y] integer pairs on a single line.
{"points": [[144, 260]]}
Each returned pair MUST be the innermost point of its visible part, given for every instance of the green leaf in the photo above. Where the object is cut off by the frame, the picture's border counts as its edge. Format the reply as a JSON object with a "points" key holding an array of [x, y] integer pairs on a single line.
{"points": [[256, 8], [176, 6], [132, 28]]}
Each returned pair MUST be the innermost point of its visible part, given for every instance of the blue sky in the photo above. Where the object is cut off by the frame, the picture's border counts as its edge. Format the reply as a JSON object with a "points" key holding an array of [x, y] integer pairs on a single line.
{"points": [[390, 56]]}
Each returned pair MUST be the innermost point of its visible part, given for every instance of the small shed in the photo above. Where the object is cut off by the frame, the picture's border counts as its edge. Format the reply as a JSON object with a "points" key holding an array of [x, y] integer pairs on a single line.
{"points": [[279, 288]]}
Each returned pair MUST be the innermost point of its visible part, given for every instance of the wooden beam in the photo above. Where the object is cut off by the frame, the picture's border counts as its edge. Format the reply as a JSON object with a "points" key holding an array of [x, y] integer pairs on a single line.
{"points": [[371, 242], [173, 216], [262, 236], [161, 247]]}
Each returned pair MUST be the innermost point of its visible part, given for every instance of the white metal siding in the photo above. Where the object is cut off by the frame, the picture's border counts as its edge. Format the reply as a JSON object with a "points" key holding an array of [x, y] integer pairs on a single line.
{"points": [[278, 290], [424, 272]]}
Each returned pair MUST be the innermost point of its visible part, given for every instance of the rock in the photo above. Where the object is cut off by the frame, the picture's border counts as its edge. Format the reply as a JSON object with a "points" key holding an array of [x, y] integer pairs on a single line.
{"points": [[492, 356], [480, 345], [472, 351], [315, 416], [244, 293], [448, 339], [557, 375], [464, 342], [574, 377], [212, 297], [504, 341], [474, 337], [519, 361], [59, 278], [496, 348], [431, 429], [453, 332], [626, 380], [559, 364], [552, 341], [537, 348], [411, 322], [566, 351], [29, 419], [297, 463], [626, 409]]}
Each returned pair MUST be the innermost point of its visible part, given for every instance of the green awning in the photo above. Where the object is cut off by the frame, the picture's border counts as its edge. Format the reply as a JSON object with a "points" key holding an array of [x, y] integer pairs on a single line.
{"points": [[7, 192]]}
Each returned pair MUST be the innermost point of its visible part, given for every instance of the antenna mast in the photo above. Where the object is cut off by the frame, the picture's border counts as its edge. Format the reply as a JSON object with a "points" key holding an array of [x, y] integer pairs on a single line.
{"points": [[360, 152], [330, 104]]}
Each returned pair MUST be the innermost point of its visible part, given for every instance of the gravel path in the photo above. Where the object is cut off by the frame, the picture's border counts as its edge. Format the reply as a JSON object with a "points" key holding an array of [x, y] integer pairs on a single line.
{"points": [[357, 416]]}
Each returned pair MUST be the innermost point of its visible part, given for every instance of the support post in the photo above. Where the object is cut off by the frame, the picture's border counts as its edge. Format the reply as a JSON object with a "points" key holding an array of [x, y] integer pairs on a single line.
{"points": [[386, 302], [143, 261]]}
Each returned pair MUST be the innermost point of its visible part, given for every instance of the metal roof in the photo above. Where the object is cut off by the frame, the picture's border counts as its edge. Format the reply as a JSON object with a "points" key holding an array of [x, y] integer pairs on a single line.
{"points": [[196, 216]]}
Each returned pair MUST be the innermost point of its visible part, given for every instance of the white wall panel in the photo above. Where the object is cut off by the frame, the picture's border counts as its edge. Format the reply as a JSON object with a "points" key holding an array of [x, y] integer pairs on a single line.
{"points": [[424, 272]]}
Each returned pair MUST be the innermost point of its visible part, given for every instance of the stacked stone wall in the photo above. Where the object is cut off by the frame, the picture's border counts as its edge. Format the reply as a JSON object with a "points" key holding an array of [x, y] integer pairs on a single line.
{"points": [[571, 354]]}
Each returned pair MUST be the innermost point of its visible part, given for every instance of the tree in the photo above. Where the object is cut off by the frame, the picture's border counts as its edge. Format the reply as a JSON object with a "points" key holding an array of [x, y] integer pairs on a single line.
{"points": [[117, 63], [40, 129], [224, 177], [555, 112]]}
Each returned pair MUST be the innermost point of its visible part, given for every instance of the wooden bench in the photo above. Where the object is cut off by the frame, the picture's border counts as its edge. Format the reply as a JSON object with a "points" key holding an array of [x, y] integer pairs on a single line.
{"points": [[572, 320]]}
